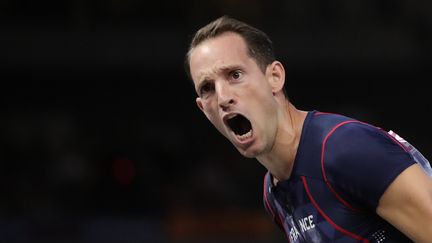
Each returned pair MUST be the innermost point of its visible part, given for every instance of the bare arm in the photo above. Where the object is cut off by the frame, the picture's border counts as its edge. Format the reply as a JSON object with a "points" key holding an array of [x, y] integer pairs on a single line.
{"points": [[407, 204]]}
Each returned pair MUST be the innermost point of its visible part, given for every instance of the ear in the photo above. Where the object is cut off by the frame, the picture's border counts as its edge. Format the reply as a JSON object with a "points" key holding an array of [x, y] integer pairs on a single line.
{"points": [[199, 103], [275, 73]]}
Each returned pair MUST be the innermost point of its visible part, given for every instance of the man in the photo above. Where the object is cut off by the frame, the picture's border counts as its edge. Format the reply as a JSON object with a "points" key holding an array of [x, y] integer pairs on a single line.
{"points": [[330, 178]]}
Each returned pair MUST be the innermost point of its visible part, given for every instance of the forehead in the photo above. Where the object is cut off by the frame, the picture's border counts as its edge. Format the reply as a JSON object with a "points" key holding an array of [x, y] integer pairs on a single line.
{"points": [[214, 54]]}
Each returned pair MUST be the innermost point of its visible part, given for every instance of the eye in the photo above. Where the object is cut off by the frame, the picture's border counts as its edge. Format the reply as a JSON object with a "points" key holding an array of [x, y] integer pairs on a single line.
{"points": [[236, 74], [206, 88]]}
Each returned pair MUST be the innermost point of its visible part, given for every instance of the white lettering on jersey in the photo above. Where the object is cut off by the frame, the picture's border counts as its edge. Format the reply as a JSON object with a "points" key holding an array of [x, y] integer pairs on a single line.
{"points": [[306, 223], [294, 233]]}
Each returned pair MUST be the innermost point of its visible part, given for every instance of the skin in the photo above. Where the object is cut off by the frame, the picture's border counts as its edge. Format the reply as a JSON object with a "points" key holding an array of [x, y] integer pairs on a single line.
{"points": [[228, 81], [407, 204]]}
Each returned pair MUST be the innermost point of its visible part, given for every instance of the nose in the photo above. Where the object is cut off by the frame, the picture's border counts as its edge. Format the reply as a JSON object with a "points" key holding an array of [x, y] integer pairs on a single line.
{"points": [[225, 96]]}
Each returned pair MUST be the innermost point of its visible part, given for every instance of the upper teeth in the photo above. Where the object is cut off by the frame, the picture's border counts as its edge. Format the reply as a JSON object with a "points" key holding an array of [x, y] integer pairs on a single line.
{"points": [[232, 115]]}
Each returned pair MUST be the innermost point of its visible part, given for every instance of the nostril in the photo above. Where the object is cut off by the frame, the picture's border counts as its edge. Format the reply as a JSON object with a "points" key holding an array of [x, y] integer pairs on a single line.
{"points": [[226, 103]]}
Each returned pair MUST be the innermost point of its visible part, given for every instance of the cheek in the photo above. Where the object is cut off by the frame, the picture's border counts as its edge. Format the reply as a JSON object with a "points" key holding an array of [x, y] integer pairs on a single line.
{"points": [[208, 107], [213, 116], [261, 96], [263, 105], [210, 112], [216, 122]]}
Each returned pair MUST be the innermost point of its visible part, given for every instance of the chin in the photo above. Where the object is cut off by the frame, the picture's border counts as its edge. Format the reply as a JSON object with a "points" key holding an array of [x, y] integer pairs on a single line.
{"points": [[248, 153]]}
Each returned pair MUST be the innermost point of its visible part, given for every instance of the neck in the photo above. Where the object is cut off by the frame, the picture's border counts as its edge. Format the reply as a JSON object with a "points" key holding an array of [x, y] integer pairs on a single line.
{"points": [[280, 160]]}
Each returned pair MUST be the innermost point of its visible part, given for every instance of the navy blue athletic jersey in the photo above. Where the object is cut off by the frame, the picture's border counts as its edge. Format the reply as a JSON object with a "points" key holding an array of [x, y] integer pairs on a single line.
{"points": [[342, 168]]}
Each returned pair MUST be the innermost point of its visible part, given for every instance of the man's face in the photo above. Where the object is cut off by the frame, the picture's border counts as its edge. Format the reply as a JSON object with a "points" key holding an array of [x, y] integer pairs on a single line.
{"points": [[234, 94]]}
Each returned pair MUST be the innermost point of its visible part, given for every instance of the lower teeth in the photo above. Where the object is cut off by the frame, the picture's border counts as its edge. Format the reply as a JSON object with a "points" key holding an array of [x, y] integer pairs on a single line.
{"points": [[246, 135]]}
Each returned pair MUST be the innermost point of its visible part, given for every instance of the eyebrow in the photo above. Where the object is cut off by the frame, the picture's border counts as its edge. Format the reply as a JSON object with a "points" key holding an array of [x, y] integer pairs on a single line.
{"points": [[229, 68], [205, 77]]}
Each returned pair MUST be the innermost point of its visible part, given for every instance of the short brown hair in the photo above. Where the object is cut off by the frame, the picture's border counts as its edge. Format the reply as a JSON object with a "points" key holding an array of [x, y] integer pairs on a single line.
{"points": [[260, 47]]}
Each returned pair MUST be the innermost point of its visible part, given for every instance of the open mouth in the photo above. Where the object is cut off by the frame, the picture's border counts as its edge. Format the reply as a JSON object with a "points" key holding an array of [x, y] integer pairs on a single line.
{"points": [[241, 126]]}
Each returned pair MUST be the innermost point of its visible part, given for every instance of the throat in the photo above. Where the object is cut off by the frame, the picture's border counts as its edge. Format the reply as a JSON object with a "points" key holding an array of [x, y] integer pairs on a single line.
{"points": [[280, 160], [280, 168]]}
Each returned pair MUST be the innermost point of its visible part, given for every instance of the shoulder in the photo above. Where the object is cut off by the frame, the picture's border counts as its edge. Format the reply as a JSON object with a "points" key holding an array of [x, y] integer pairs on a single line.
{"points": [[363, 160], [356, 144], [354, 138]]}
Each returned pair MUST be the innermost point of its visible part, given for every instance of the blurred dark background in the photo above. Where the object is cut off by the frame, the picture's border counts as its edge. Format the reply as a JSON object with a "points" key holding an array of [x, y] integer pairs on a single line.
{"points": [[100, 137]]}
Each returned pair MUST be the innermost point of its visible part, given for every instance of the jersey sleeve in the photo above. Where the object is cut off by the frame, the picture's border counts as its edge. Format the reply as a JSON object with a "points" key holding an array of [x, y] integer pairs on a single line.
{"points": [[362, 161]]}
